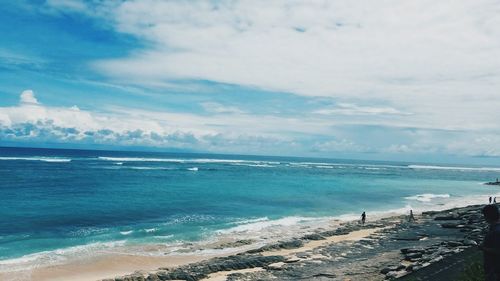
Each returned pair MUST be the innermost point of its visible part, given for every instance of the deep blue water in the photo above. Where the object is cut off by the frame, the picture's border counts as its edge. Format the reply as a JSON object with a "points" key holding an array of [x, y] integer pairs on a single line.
{"points": [[55, 199]]}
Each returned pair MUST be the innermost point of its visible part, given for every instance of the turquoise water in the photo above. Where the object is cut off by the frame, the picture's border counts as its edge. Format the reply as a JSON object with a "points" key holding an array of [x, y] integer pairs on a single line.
{"points": [[51, 200]]}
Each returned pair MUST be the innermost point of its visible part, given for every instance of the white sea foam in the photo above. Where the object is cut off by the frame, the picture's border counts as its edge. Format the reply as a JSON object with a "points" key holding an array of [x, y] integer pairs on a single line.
{"points": [[253, 165], [149, 230], [345, 165], [494, 169], [310, 163], [189, 218], [179, 160], [126, 232], [163, 236], [140, 159], [146, 168], [427, 197], [193, 169], [121, 167], [260, 224], [252, 220], [44, 159], [452, 202], [58, 256]]}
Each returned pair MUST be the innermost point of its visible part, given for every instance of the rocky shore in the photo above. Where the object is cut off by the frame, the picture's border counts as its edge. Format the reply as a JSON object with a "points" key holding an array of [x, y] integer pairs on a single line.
{"points": [[493, 182], [388, 248]]}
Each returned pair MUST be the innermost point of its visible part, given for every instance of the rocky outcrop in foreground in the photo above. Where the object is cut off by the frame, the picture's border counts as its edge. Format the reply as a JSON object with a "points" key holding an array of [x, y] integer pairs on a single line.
{"points": [[396, 249]]}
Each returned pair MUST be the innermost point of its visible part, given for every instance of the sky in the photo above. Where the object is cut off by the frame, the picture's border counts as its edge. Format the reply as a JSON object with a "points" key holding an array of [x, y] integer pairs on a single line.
{"points": [[413, 80]]}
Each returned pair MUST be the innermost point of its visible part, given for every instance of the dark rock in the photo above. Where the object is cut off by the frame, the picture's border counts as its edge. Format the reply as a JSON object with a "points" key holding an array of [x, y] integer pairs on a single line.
{"points": [[450, 225], [281, 245], [303, 255], [454, 243], [417, 267], [153, 277], [413, 256], [197, 271], [396, 274], [436, 259], [313, 237], [411, 250], [447, 218], [470, 242], [385, 270], [408, 237], [235, 244], [328, 233], [492, 183], [327, 275]]}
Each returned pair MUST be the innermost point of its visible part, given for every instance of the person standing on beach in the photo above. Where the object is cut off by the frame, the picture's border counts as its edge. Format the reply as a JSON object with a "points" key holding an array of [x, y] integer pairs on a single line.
{"points": [[490, 199], [494, 200], [363, 218], [491, 244], [411, 217]]}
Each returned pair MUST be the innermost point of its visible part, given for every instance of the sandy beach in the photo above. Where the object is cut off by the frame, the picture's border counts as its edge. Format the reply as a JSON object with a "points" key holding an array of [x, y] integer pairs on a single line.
{"points": [[110, 266], [349, 250]]}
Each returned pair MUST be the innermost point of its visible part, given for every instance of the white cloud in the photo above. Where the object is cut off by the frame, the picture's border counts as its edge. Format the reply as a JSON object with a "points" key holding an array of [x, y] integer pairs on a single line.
{"points": [[439, 60], [214, 107], [28, 97], [32, 121], [398, 148], [352, 109], [433, 66], [232, 132], [342, 145]]}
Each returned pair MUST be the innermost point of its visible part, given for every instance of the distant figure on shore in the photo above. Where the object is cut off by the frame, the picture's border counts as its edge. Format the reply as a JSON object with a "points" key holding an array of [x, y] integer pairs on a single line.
{"points": [[363, 218], [491, 244], [490, 199], [494, 200], [411, 217]]}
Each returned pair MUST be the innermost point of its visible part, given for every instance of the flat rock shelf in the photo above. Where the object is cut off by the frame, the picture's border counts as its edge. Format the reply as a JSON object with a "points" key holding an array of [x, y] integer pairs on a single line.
{"points": [[436, 244]]}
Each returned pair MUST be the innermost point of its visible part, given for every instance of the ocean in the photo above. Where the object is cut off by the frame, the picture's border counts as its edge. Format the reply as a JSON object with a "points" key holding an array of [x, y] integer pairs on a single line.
{"points": [[57, 205]]}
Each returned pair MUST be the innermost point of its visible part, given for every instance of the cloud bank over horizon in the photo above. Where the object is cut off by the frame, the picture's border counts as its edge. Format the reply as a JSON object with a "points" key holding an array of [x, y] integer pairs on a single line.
{"points": [[227, 131]]}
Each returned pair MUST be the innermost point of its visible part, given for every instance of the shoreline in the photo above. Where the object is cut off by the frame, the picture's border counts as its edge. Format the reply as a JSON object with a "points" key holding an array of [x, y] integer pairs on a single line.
{"points": [[389, 247], [120, 264], [307, 249]]}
